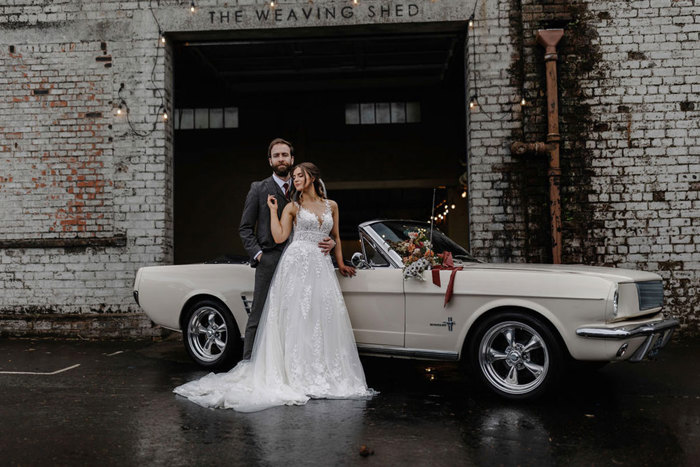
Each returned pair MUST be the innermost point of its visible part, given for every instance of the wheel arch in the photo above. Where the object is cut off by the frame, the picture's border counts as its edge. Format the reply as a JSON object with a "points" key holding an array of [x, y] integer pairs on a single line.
{"points": [[529, 311]]}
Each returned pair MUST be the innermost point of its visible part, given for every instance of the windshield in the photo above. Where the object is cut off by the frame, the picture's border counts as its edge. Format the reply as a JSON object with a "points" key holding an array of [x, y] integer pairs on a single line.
{"points": [[397, 231]]}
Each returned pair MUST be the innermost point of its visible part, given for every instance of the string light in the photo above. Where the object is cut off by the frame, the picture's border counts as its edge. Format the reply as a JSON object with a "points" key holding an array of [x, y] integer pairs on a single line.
{"points": [[523, 101], [192, 7], [473, 102], [121, 105], [355, 2], [123, 108], [464, 194], [443, 209], [272, 3]]}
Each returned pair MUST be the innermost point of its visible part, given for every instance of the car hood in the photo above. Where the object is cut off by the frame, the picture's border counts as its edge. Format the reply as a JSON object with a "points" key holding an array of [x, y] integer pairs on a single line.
{"points": [[614, 274]]}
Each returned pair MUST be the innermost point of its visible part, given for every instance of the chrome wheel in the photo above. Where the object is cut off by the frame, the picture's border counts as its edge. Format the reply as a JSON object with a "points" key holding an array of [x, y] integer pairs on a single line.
{"points": [[207, 334], [513, 357]]}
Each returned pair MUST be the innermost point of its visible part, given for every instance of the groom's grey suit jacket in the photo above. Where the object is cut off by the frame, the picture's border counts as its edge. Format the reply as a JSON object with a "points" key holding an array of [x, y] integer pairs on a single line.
{"points": [[255, 221]]}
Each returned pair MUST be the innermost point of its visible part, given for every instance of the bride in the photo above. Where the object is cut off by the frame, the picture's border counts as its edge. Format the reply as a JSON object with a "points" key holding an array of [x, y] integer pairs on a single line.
{"points": [[304, 346]]}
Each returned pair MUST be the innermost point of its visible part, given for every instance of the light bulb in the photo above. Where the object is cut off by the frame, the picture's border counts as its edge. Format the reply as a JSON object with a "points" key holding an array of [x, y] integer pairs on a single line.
{"points": [[453, 206], [165, 115], [192, 8], [119, 111], [162, 39], [522, 101], [464, 194]]}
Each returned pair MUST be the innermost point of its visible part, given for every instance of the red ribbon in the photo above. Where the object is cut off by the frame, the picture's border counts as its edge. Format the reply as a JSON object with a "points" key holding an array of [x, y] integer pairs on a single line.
{"points": [[447, 265]]}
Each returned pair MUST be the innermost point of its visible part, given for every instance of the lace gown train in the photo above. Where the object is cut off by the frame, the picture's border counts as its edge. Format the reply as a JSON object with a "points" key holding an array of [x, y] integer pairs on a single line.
{"points": [[304, 346]]}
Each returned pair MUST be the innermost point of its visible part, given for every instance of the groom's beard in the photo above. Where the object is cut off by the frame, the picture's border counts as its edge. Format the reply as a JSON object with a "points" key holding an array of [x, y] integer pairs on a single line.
{"points": [[281, 170]]}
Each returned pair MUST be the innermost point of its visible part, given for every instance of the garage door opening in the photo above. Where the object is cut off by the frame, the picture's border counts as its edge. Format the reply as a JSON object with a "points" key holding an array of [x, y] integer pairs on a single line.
{"points": [[381, 114]]}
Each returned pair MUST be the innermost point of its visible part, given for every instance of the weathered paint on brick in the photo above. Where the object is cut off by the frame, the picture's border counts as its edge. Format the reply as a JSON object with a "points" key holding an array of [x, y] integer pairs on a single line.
{"points": [[78, 216], [630, 152], [73, 171]]}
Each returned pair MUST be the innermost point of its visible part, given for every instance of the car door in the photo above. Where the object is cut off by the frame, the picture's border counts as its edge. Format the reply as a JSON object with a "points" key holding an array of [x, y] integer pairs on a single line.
{"points": [[429, 325], [375, 301]]}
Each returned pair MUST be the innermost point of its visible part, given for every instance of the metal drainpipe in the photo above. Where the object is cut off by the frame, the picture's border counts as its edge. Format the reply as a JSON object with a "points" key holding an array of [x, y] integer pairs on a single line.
{"points": [[549, 38]]}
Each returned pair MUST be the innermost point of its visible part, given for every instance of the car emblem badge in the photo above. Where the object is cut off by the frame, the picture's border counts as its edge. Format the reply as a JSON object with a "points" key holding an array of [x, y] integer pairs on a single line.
{"points": [[449, 323]]}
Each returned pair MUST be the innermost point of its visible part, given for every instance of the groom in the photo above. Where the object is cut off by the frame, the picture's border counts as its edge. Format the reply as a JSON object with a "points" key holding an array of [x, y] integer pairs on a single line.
{"points": [[255, 230]]}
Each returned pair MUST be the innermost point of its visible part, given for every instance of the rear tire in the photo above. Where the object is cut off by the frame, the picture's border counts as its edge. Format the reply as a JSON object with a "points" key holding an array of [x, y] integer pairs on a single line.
{"points": [[516, 355], [211, 336]]}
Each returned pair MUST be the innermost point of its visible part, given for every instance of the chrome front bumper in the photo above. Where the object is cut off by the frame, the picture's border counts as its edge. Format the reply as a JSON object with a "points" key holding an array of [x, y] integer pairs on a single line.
{"points": [[658, 334]]}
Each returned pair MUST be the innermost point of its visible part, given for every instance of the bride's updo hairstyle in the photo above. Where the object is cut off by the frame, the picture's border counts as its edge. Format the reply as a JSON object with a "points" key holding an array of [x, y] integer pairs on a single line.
{"points": [[312, 171]]}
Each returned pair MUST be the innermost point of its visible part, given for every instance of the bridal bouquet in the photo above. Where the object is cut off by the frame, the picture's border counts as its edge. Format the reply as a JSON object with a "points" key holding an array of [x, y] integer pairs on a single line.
{"points": [[417, 254]]}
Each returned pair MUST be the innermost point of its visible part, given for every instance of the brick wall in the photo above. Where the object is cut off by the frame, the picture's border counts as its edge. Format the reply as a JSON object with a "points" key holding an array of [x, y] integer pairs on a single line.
{"points": [[630, 153], [86, 198], [645, 143]]}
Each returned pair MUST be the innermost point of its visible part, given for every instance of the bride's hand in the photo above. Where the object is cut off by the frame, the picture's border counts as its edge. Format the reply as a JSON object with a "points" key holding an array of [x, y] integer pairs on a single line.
{"points": [[272, 202], [347, 271]]}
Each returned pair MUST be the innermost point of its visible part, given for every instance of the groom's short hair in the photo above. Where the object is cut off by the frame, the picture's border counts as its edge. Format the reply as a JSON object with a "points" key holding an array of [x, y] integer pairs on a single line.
{"points": [[280, 141]]}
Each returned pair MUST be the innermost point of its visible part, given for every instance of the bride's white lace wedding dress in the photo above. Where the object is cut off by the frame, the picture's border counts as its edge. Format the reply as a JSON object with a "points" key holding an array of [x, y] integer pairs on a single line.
{"points": [[304, 346]]}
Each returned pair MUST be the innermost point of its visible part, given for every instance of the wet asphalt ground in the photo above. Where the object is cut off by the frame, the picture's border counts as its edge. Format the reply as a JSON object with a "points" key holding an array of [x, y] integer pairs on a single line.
{"points": [[117, 408]]}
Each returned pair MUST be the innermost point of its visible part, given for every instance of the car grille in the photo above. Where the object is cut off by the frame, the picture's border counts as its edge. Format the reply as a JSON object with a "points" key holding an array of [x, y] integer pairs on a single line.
{"points": [[651, 294]]}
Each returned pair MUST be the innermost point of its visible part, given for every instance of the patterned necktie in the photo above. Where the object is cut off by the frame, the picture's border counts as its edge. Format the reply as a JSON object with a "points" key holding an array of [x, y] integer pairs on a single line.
{"points": [[285, 187]]}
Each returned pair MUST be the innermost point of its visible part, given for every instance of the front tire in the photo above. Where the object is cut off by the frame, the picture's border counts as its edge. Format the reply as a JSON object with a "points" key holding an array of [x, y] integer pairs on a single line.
{"points": [[211, 336], [516, 355]]}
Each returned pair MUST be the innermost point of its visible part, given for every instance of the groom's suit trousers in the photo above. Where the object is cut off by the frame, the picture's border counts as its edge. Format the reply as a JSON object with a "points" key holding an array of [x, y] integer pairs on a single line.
{"points": [[256, 236], [263, 276]]}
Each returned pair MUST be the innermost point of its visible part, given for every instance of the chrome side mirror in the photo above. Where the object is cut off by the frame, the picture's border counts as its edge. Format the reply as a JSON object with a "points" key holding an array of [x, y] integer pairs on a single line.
{"points": [[358, 260]]}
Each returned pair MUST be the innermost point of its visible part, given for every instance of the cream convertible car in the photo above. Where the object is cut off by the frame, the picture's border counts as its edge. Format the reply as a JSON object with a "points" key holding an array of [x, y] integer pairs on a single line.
{"points": [[516, 325]]}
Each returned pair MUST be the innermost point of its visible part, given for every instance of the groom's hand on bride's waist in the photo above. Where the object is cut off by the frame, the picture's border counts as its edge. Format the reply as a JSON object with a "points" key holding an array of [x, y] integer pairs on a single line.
{"points": [[326, 245]]}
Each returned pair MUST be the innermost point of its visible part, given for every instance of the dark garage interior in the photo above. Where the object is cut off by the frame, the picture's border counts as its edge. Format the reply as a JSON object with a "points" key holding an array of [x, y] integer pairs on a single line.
{"points": [[382, 113]]}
